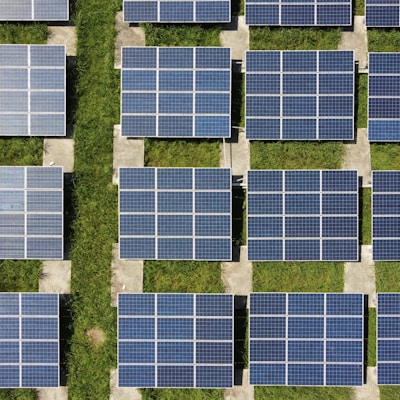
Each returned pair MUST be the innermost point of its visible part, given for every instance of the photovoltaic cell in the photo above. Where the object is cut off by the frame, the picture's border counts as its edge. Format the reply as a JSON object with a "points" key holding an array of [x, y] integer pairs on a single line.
{"points": [[29, 340], [175, 214], [313, 339], [384, 97], [34, 10], [31, 213], [176, 92], [382, 13], [300, 95], [175, 340], [302, 215], [32, 90]]}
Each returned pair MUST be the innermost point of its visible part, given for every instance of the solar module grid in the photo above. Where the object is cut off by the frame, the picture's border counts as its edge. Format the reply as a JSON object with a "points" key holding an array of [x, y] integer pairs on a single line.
{"points": [[382, 13], [34, 10], [32, 90], [299, 339], [175, 340], [29, 340], [176, 92], [299, 95]]}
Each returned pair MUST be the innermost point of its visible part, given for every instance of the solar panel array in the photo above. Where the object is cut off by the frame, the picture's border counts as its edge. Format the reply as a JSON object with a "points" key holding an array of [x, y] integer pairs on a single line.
{"points": [[175, 340], [29, 340], [176, 92], [388, 338], [31, 213], [32, 90], [298, 12], [300, 95], [175, 213], [201, 11], [306, 339], [384, 97], [302, 215], [382, 13], [386, 215], [34, 10]]}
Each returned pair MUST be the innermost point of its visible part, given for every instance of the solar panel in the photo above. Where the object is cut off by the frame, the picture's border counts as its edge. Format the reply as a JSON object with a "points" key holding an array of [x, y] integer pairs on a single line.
{"points": [[175, 213], [201, 11], [302, 215], [386, 215], [31, 213], [32, 90], [382, 13], [29, 340], [176, 92], [175, 340], [34, 10], [388, 339], [306, 339], [384, 97], [298, 13], [300, 95]]}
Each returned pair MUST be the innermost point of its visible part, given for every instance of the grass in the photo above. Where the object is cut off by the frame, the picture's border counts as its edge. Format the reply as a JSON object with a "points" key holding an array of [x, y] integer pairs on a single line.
{"points": [[298, 277], [370, 319], [389, 392], [385, 40], [387, 276], [296, 155], [21, 151], [385, 156], [238, 100], [365, 217], [361, 100], [19, 275], [181, 394], [294, 38], [23, 33], [359, 7], [18, 394], [303, 393]]}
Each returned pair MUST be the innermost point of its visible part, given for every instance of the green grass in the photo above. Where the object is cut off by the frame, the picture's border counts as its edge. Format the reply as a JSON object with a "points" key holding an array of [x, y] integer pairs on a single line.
{"points": [[298, 277], [264, 38], [296, 155], [23, 33], [387, 276], [181, 153], [365, 217], [359, 7], [21, 151], [238, 100], [389, 392], [19, 275], [361, 100], [301, 393], [18, 394], [386, 40], [371, 339], [182, 35], [385, 156], [181, 394]]}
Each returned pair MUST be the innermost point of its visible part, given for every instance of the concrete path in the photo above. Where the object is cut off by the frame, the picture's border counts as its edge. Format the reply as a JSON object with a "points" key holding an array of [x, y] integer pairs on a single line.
{"points": [[117, 393], [60, 393], [369, 391], [359, 277], [127, 152], [126, 35], [237, 275], [356, 40], [243, 392], [56, 277], [357, 156], [127, 276], [59, 152], [236, 35], [63, 35]]}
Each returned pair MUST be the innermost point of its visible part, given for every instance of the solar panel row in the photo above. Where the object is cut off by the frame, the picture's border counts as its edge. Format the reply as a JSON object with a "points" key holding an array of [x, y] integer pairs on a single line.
{"points": [[34, 10], [382, 13]]}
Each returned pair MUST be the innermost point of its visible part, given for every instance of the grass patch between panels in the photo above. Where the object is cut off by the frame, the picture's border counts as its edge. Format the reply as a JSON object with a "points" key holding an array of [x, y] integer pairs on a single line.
{"points": [[182, 394], [370, 319], [389, 392], [383, 40], [365, 217], [387, 274], [303, 393], [385, 156], [361, 99]]}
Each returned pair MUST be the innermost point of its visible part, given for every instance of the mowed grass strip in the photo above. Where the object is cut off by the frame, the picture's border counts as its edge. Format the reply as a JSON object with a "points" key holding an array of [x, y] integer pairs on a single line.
{"points": [[385, 156], [303, 393], [383, 40]]}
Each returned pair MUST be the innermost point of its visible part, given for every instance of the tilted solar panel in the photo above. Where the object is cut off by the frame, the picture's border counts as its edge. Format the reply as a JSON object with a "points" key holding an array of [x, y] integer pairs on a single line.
{"points": [[176, 92], [32, 90], [29, 340], [31, 213], [302, 215], [300, 339], [382, 13], [34, 10], [300, 95], [175, 340]]}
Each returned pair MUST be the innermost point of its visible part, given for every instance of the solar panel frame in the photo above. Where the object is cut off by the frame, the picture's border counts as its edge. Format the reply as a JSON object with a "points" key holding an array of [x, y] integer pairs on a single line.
{"points": [[382, 14], [31, 213], [289, 101], [288, 353], [173, 100], [46, 373], [166, 307], [32, 92], [35, 10], [276, 232]]}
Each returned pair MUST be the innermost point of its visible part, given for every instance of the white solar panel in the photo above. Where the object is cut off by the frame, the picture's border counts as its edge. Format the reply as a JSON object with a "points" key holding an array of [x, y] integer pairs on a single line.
{"points": [[34, 10]]}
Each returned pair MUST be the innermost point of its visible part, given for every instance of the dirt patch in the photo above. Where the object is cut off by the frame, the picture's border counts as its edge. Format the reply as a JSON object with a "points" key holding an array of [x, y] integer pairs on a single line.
{"points": [[96, 336]]}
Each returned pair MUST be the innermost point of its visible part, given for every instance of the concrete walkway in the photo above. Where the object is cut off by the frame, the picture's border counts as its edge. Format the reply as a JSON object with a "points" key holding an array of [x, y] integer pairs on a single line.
{"points": [[359, 277], [369, 391], [245, 391], [117, 393], [60, 393], [56, 277], [357, 156], [65, 35], [59, 152]]}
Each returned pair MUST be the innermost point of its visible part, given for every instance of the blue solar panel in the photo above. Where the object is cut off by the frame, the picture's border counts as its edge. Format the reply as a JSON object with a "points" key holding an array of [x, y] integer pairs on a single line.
{"points": [[200, 11], [302, 215], [385, 215], [34, 10], [312, 339], [388, 339], [31, 213], [299, 95], [176, 92], [382, 13], [179, 213], [175, 340], [298, 13], [29, 336], [383, 97], [32, 90]]}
